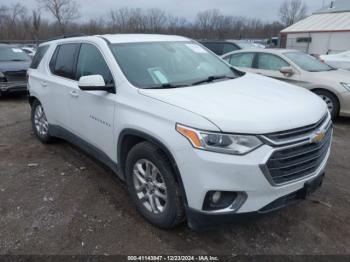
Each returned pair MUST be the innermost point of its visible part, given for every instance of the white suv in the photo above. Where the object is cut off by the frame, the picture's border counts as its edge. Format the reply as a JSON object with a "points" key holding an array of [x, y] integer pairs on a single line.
{"points": [[192, 137]]}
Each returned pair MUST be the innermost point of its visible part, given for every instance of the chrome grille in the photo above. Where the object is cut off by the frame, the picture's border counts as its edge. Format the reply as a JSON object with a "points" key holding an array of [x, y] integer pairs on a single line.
{"points": [[297, 134], [299, 160]]}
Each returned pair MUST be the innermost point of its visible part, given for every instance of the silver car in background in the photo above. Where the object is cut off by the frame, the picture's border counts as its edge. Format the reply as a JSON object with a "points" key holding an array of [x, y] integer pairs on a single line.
{"points": [[300, 69]]}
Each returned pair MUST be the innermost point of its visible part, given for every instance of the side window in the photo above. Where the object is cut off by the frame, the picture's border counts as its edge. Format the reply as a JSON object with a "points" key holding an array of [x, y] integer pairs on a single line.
{"points": [[63, 60], [91, 62], [38, 56], [271, 62], [217, 48], [242, 60], [229, 48]]}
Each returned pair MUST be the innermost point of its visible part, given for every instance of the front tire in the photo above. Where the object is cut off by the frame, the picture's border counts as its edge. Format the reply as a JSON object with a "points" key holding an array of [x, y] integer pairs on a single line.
{"points": [[40, 124], [331, 101], [152, 186]]}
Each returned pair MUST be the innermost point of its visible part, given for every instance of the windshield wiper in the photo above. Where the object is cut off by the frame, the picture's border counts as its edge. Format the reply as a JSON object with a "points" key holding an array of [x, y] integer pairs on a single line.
{"points": [[165, 86], [211, 79]]}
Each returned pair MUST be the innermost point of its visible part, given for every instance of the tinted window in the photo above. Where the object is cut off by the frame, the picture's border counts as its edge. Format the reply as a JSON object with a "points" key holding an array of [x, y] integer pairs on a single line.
{"points": [[91, 62], [39, 56], [63, 60], [242, 60], [217, 48], [229, 48], [271, 62]]}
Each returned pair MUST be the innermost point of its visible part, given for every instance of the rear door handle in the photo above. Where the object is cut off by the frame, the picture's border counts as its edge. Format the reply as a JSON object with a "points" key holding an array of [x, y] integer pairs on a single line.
{"points": [[74, 94], [43, 83]]}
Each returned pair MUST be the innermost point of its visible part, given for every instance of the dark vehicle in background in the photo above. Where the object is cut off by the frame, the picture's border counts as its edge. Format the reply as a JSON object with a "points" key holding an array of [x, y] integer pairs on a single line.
{"points": [[14, 63], [221, 47]]}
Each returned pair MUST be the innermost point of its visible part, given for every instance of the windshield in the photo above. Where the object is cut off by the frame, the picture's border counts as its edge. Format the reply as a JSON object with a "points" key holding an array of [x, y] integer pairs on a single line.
{"points": [[169, 64], [307, 62], [12, 54]]}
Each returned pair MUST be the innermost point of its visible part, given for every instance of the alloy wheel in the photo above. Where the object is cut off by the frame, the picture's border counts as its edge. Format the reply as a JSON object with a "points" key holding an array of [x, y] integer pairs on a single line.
{"points": [[150, 186], [40, 121]]}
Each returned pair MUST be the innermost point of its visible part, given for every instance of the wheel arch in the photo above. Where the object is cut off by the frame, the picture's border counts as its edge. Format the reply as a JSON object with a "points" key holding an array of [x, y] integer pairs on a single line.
{"points": [[128, 138], [328, 91], [31, 100]]}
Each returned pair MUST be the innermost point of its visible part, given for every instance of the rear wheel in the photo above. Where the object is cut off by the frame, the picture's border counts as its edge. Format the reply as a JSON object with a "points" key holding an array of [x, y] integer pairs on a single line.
{"points": [[331, 101], [152, 186], [40, 124]]}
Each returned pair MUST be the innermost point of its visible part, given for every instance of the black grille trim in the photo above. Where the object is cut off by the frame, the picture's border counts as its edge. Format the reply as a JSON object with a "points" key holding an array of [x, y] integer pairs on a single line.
{"points": [[14, 76]]}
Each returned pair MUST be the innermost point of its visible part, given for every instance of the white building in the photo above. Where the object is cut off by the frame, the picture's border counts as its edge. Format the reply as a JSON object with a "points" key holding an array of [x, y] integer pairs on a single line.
{"points": [[325, 31]]}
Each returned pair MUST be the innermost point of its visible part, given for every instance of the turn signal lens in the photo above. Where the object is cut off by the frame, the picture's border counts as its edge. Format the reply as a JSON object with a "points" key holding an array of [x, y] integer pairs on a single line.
{"points": [[190, 134]]}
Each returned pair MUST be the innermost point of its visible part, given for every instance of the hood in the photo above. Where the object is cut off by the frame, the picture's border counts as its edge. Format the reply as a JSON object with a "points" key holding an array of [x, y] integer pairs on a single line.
{"points": [[333, 76], [11, 66], [250, 104]]}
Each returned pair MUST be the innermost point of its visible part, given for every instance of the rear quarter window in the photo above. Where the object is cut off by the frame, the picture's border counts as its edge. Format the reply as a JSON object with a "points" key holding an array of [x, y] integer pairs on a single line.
{"points": [[63, 60], [38, 56]]}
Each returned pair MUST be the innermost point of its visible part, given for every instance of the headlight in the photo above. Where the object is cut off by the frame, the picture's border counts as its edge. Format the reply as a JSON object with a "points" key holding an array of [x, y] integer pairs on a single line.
{"points": [[219, 142], [346, 86]]}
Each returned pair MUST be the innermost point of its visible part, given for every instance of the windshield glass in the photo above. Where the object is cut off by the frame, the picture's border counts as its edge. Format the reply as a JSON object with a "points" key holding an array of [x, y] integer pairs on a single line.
{"points": [[307, 62], [13, 54], [169, 64]]}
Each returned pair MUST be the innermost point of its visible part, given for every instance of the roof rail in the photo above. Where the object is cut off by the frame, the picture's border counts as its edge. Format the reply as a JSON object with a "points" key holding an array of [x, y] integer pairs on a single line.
{"points": [[66, 36]]}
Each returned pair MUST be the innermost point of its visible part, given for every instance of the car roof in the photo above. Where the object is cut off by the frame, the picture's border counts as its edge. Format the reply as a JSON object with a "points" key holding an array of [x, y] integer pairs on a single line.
{"points": [[123, 38], [264, 50], [218, 41]]}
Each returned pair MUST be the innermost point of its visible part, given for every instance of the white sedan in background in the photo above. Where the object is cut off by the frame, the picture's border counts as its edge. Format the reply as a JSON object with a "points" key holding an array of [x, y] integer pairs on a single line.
{"points": [[340, 61], [300, 69]]}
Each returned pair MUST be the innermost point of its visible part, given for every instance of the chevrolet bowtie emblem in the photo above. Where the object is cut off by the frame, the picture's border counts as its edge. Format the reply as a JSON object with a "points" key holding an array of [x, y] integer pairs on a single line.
{"points": [[317, 137]]}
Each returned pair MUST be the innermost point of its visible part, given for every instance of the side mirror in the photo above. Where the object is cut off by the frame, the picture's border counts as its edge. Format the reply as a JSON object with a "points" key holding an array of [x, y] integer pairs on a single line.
{"points": [[287, 70], [93, 83]]}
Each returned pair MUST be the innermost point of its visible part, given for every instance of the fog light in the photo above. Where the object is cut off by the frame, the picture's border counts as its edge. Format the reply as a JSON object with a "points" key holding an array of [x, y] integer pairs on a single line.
{"points": [[215, 197], [215, 200]]}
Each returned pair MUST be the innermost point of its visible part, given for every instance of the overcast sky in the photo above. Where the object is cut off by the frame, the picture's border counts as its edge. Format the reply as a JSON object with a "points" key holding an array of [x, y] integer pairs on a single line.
{"points": [[264, 9]]}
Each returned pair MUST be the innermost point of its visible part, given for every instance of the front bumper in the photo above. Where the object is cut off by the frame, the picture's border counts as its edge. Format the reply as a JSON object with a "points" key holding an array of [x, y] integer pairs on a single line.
{"points": [[199, 220], [13, 87], [203, 171]]}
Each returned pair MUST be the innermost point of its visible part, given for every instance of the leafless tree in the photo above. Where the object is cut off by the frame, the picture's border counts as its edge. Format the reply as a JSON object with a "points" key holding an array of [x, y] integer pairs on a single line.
{"points": [[292, 11], [36, 23], [156, 20], [15, 23], [64, 11]]}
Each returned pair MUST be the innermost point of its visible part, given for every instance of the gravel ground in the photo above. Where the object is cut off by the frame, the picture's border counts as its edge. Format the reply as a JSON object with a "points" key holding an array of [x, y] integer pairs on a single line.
{"points": [[56, 200]]}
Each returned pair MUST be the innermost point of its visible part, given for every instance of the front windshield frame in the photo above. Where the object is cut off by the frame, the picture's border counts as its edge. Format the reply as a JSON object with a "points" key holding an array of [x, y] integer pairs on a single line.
{"points": [[230, 73], [16, 54], [319, 66]]}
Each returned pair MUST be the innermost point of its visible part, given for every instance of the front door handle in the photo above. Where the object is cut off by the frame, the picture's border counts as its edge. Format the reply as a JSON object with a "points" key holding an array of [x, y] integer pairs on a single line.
{"points": [[74, 94], [43, 83]]}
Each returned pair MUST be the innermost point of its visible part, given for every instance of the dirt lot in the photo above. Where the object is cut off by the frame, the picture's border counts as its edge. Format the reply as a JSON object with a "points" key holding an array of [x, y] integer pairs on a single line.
{"points": [[56, 200]]}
